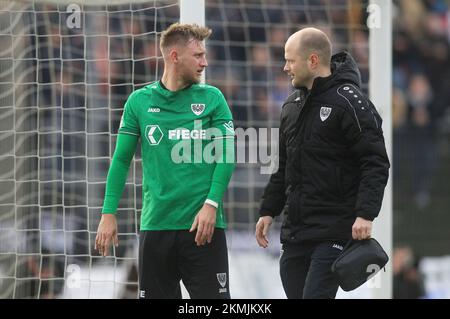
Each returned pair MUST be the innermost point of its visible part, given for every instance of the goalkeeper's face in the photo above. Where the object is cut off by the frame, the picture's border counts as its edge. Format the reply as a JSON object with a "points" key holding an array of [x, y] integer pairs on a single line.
{"points": [[192, 61]]}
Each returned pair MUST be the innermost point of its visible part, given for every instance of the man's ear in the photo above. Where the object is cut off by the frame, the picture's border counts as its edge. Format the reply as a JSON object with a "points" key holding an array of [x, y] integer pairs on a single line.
{"points": [[173, 55], [314, 60]]}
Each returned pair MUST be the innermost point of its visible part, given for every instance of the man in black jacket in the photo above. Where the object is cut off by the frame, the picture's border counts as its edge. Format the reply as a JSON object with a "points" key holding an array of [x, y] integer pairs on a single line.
{"points": [[333, 166]]}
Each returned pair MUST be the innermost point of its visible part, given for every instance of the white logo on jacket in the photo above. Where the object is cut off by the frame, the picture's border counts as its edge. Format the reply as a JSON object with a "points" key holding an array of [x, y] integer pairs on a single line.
{"points": [[325, 112]]}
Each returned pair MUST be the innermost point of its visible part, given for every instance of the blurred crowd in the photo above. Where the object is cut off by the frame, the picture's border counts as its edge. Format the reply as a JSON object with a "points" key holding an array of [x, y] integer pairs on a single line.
{"points": [[249, 67], [421, 95], [408, 281]]}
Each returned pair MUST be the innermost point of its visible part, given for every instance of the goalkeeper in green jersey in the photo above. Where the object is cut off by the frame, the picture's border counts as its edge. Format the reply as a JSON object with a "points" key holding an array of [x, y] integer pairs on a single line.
{"points": [[187, 142]]}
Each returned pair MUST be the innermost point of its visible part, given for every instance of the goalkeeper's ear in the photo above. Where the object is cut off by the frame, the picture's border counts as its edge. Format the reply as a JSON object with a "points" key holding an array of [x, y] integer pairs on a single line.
{"points": [[172, 55]]}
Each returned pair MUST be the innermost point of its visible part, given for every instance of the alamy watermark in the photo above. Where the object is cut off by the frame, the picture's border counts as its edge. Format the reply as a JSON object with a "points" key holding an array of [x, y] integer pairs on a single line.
{"points": [[212, 145], [73, 279], [73, 20], [373, 281], [374, 18]]}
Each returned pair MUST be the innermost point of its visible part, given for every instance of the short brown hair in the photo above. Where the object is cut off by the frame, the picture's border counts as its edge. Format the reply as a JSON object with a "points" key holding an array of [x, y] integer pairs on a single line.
{"points": [[179, 33]]}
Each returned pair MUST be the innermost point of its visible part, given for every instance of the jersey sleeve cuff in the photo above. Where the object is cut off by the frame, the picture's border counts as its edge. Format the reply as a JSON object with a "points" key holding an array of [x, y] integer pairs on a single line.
{"points": [[129, 133], [212, 203]]}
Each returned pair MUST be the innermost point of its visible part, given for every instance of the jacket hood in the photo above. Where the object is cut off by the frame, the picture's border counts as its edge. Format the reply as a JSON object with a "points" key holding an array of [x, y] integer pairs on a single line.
{"points": [[343, 70]]}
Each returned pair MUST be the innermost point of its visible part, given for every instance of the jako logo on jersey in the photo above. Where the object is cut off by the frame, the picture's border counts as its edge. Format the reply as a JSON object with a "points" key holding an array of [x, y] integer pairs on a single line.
{"points": [[229, 126], [197, 108], [338, 247], [153, 134], [324, 112], [154, 110], [185, 134]]}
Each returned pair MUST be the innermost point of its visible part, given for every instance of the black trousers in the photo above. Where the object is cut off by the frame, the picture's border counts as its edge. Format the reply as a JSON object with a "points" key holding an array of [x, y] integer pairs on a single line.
{"points": [[305, 269], [166, 257]]}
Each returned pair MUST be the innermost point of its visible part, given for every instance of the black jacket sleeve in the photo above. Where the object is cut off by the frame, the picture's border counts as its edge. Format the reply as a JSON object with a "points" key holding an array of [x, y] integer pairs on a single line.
{"points": [[361, 124], [274, 196]]}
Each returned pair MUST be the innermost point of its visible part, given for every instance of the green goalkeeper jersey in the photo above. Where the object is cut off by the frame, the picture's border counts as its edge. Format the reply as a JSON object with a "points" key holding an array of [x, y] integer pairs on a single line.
{"points": [[179, 131]]}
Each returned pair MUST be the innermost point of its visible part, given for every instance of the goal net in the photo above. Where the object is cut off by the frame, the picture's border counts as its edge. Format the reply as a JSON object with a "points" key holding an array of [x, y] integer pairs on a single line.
{"points": [[65, 72]]}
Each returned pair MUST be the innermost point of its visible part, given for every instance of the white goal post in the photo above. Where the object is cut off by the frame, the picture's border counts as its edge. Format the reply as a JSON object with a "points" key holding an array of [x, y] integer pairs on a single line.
{"points": [[380, 90]]}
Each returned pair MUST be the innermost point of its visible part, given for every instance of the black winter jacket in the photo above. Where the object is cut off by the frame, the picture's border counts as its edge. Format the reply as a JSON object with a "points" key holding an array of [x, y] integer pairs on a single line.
{"points": [[333, 165]]}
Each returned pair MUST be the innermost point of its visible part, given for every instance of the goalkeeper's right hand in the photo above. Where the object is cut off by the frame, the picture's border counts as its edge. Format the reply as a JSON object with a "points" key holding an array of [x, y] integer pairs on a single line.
{"points": [[106, 234]]}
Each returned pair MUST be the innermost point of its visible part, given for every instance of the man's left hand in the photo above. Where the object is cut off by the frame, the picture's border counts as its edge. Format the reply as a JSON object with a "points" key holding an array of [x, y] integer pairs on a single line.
{"points": [[361, 229], [204, 222]]}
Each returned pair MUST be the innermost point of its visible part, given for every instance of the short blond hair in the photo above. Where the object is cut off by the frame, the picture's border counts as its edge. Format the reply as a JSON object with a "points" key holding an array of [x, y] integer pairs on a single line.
{"points": [[179, 33]]}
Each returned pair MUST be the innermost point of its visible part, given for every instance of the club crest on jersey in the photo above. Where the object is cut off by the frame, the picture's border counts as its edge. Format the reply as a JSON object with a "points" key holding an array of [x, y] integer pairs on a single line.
{"points": [[222, 279], [325, 112], [197, 108]]}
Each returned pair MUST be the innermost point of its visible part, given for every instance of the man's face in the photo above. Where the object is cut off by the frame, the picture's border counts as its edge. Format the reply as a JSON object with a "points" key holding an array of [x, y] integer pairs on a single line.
{"points": [[192, 61], [296, 66]]}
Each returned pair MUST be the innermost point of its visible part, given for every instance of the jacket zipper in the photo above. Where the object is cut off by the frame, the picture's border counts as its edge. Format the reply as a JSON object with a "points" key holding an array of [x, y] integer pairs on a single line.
{"points": [[296, 126], [301, 113], [338, 171], [376, 122], [296, 132]]}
